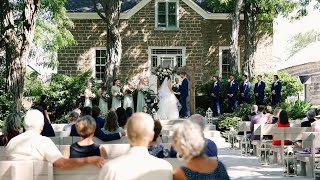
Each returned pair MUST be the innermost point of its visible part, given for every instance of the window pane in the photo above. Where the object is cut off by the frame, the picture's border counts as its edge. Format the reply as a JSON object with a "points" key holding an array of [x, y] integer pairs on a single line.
{"points": [[172, 20], [98, 69], [97, 53], [161, 20], [161, 7], [97, 61], [103, 53], [179, 61], [172, 7], [102, 69], [154, 61]]}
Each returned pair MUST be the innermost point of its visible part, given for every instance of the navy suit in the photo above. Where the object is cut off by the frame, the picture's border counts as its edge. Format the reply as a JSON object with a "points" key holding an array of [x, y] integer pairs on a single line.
{"points": [[232, 88], [245, 88], [276, 98], [259, 88], [215, 100], [184, 93]]}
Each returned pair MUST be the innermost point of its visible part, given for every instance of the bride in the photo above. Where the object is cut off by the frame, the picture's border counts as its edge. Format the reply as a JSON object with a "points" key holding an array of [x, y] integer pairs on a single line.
{"points": [[168, 109]]}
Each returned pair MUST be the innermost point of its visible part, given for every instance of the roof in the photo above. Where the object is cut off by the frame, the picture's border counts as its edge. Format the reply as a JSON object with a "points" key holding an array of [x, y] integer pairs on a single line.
{"points": [[309, 54], [87, 6]]}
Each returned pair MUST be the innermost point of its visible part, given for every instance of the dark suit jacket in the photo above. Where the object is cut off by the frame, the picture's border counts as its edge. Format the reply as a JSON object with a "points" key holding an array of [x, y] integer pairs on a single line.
{"points": [[307, 123], [216, 90], [184, 88], [245, 88], [277, 88], [233, 89], [260, 89]]}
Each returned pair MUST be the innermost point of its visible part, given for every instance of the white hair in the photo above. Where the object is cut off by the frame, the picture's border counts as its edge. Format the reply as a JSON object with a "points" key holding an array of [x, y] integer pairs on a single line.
{"points": [[33, 120], [254, 108], [198, 119], [188, 140], [140, 129]]}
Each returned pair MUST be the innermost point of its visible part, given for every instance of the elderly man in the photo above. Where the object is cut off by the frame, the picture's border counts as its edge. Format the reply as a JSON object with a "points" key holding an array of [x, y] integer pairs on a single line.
{"points": [[32, 146], [311, 114], [260, 118], [137, 163], [211, 150]]}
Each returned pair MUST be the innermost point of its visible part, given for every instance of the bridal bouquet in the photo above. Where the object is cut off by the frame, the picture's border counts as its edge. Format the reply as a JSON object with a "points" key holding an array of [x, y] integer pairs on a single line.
{"points": [[129, 91], [147, 92], [119, 95], [175, 88], [105, 96], [161, 73]]}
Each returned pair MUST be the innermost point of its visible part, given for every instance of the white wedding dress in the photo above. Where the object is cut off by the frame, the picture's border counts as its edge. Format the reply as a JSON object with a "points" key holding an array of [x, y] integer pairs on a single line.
{"points": [[168, 109]]}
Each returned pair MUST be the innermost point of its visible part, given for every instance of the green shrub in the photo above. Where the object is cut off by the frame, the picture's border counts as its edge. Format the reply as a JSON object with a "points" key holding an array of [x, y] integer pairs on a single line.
{"points": [[33, 86], [297, 109]]}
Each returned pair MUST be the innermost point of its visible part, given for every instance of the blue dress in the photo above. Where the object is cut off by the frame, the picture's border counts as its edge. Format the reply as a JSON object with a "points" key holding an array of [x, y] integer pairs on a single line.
{"points": [[218, 174]]}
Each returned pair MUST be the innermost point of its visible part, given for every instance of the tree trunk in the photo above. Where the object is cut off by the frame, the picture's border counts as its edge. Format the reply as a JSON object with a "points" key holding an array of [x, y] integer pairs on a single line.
{"points": [[111, 17], [235, 36], [250, 38], [18, 48]]}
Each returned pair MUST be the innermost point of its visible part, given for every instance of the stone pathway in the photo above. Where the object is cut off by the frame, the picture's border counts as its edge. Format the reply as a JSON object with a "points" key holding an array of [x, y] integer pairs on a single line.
{"points": [[242, 167]]}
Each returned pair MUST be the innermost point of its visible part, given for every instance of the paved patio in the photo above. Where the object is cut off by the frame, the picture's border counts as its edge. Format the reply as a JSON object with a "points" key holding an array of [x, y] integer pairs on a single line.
{"points": [[243, 167]]}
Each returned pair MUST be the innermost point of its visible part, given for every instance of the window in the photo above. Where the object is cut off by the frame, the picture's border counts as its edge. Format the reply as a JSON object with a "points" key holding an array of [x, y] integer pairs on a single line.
{"points": [[225, 61], [166, 14], [167, 57], [100, 63]]}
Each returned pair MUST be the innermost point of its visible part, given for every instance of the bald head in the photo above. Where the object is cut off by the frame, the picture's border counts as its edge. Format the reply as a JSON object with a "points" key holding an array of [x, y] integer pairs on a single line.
{"points": [[140, 129], [34, 120]]}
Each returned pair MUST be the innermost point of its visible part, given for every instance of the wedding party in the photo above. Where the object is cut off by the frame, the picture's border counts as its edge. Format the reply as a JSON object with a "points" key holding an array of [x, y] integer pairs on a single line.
{"points": [[159, 90]]}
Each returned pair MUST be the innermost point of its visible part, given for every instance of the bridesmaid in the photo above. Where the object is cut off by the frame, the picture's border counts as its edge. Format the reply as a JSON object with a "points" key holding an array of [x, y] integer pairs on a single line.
{"points": [[88, 95], [128, 99], [103, 103], [115, 90], [141, 97]]}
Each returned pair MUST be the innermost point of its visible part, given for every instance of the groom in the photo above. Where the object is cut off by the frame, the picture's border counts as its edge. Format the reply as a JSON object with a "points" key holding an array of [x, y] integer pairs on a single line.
{"points": [[184, 93]]}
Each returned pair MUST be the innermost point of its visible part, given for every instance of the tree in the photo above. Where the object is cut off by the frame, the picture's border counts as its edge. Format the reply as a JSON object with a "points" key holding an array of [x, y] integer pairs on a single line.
{"points": [[110, 14], [302, 40], [18, 21]]}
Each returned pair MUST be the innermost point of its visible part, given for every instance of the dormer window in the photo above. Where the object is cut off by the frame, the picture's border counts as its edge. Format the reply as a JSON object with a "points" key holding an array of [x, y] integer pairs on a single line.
{"points": [[166, 12]]}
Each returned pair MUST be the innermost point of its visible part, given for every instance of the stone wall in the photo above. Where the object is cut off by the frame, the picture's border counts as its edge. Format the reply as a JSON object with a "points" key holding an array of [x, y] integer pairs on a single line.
{"points": [[202, 39], [310, 69]]}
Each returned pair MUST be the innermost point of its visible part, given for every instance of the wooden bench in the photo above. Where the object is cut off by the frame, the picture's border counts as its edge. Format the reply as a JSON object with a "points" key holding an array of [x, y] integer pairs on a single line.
{"points": [[58, 127], [282, 134], [308, 161], [261, 130], [244, 127]]}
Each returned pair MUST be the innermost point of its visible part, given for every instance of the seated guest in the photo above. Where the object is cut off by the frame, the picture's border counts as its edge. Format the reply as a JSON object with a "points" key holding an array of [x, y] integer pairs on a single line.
{"points": [[122, 116], [260, 118], [316, 124], [32, 146], [311, 114], [137, 163], [73, 119], [86, 147], [275, 116], [111, 125], [268, 113], [189, 141], [96, 115], [10, 129], [129, 112], [211, 149], [283, 123], [254, 110], [156, 149], [87, 111], [47, 128]]}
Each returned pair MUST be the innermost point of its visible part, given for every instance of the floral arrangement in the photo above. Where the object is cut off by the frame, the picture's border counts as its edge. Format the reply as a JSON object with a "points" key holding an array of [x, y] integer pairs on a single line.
{"points": [[147, 92], [119, 95], [175, 88], [105, 96], [130, 91], [161, 73]]}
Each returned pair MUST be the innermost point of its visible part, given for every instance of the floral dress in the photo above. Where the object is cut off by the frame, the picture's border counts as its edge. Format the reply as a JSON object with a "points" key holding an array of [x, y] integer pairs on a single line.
{"points": [[116, 101], [141, 99], [103, 104]]}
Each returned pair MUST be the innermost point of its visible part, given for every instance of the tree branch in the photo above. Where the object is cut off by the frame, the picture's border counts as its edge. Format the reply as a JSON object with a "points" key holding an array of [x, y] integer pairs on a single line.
{"points": [[97, 10]]}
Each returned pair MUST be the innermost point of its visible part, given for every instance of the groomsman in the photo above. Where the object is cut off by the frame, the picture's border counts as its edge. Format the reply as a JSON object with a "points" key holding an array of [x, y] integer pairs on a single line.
{"points": [[259, 88], [232, 93], [245, 89], [215, 91], [276, 91]]}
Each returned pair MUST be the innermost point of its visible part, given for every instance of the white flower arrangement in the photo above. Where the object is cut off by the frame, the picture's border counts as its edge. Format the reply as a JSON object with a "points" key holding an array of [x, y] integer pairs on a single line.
{"points": [[161, 73]]}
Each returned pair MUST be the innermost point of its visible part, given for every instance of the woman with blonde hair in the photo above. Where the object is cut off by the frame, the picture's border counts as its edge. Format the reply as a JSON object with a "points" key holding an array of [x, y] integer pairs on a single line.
{"points": [[10, 129], [189, 142]]}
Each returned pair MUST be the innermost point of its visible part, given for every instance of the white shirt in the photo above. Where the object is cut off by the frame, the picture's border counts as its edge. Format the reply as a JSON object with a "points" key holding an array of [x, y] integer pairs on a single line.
{"points": [[138, 164], [32, 146]]}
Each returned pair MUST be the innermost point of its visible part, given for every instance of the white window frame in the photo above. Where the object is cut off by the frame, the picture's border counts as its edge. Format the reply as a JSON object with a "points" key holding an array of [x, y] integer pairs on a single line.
{"points": [[166, 55], [221, 48], [93, 62], [156, 15]]}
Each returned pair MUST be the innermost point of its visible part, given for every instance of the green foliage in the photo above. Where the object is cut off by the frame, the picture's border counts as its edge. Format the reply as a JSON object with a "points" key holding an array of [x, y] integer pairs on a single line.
{"points": [[302, 40], [297, 109], [228, 123], [5, 98], [33, 86]]}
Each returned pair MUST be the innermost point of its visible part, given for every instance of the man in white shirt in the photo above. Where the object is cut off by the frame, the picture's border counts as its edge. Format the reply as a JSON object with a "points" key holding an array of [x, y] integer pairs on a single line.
{"points": [[32, 146], [137, 163]]}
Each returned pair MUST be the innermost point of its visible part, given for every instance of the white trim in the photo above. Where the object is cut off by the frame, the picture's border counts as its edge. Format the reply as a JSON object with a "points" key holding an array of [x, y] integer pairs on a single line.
{"points": [[167, 11], [220, 58], [141, 4], [184, 60]]}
